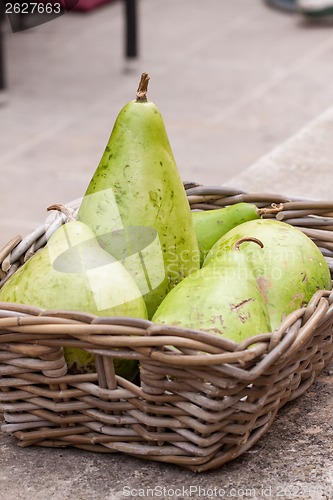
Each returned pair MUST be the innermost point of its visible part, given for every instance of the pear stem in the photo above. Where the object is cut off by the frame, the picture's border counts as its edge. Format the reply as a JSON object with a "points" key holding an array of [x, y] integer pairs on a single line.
{"points": [[141, 93], [249, 238], [62, 209], [274, 209]]}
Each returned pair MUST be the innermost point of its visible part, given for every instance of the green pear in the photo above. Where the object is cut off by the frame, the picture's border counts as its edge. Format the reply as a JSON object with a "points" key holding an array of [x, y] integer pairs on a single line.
{"points": [[223, 300], [289, 269], [210, 225], [136, 203], [72, 272]]}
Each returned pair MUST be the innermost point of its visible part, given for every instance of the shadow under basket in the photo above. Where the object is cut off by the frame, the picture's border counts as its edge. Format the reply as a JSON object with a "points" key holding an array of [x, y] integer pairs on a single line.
{"points": [[199, 405]]}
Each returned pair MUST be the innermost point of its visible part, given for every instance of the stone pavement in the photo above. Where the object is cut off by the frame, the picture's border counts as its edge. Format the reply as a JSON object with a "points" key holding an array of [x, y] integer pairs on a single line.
{"points": [[218, 125], [300, 166]]}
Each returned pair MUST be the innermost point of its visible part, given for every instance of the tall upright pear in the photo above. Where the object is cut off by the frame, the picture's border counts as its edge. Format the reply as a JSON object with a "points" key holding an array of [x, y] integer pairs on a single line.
{"points": [[136, 203]]}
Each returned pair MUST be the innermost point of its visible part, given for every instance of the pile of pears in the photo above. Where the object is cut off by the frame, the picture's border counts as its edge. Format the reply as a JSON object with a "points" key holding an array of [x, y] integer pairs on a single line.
{"points": [[135, 249]]}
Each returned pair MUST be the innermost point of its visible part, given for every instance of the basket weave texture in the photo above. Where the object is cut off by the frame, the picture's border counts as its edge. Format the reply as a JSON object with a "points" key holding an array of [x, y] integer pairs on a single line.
{"points": [[199, 405]]}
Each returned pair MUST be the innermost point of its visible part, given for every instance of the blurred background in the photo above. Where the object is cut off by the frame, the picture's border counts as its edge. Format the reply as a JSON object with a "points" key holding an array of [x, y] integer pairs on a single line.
{"points": [[231, 79]]}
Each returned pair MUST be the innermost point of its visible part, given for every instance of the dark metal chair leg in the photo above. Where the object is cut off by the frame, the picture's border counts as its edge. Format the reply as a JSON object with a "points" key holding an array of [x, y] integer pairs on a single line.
{"points": [[131, 35], [131, 29]]}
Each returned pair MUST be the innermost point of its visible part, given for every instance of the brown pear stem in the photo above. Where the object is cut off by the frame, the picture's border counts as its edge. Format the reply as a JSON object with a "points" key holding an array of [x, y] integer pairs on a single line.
{"points": [[274, 209], [141, 93], [247, 238], [62, 209]]}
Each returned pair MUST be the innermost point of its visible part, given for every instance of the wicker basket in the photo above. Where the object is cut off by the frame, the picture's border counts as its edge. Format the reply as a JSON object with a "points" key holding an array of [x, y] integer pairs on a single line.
{"points": [[198, 406]]}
